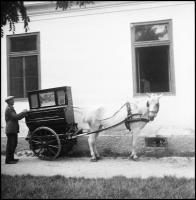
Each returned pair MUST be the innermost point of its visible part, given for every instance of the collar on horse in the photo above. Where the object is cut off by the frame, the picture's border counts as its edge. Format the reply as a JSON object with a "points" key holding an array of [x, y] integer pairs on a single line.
{"points": [[131, 118]]}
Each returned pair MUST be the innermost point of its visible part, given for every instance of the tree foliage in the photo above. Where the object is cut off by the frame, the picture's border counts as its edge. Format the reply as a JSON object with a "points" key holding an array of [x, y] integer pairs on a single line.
{"points": [[68, 4], [11, 11]]}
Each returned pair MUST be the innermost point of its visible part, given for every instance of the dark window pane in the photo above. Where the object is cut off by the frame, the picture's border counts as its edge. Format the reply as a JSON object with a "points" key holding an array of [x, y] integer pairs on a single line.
{"points": [[23, 43], [34, 101], [16, 77], [16, 67], [31, 84], [16, 74], [151, 32], [16, 87], [152, 71], [31, 73], [31, 66]]}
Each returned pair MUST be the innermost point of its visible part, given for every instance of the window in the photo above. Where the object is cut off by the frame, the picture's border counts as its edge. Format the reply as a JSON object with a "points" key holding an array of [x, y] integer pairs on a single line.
{"points": [[23, 64], [156, 142], [152, 57]]}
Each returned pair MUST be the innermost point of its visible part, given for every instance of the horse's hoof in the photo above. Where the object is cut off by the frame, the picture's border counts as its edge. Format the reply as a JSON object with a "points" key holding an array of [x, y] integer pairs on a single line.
{"points": [[98, 157], [93, 159], [133, 158]]}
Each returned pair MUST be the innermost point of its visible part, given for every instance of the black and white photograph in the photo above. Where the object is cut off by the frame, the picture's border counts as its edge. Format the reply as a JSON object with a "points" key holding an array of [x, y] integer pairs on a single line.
{"points": [[97, 99]]}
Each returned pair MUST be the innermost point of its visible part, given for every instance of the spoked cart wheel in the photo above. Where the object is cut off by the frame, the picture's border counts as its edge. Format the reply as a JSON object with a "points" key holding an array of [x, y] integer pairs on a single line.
{"points": [[45, 143]]}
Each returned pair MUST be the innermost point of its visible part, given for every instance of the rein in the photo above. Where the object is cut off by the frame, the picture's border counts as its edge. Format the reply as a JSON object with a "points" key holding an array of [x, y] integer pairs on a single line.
{"points": [[127, 120], [114, 113], [131, 118], [125, 104]]}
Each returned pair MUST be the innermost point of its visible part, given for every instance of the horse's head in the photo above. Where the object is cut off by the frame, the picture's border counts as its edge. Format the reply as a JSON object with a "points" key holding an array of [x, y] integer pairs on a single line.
{"points": [[153, 105]]}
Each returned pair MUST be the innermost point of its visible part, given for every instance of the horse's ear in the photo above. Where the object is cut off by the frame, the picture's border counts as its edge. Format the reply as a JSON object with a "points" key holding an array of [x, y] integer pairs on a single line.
{"points": [[159, 96]]}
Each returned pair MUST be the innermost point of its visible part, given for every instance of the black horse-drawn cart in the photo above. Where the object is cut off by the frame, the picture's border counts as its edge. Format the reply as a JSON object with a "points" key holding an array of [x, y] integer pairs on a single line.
{"points": [[51, 122]]}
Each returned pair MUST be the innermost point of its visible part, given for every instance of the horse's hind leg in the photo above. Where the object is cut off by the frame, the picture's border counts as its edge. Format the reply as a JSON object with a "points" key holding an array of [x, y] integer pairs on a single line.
{"points": [[91, 142]]}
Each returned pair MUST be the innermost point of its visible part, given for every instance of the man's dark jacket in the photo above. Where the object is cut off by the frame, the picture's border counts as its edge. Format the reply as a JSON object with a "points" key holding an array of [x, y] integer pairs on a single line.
{"points": [[11, 119]]}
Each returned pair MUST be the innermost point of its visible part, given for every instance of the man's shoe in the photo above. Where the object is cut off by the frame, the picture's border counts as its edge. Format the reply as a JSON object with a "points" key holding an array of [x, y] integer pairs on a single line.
{"points": [[16, 160], [10, 162]]}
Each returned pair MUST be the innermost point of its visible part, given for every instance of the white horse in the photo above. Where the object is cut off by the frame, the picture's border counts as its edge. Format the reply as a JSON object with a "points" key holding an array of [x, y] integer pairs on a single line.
{"points": [[98, 119]]}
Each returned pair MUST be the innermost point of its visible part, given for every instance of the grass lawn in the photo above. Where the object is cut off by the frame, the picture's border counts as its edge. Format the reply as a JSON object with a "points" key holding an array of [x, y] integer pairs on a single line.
{"points": [[30, 187]]}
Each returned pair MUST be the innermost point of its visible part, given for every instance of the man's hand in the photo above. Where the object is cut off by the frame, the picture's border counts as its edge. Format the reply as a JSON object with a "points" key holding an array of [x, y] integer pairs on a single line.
{"points": [[25, 111]]}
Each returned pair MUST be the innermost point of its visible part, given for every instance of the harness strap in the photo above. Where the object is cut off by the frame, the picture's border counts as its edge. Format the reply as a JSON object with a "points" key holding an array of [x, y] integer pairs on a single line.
{"points": [[129, 115], [128, 121], [128, 109], [114, 113], [99, 130]]}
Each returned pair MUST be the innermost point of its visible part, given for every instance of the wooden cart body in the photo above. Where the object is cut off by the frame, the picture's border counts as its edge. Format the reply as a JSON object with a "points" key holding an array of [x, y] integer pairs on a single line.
{"points": [[51, 122]]}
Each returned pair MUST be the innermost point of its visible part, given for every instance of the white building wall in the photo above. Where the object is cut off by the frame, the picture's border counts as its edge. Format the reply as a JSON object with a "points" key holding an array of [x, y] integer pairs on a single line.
{"points": [[90, 51]]}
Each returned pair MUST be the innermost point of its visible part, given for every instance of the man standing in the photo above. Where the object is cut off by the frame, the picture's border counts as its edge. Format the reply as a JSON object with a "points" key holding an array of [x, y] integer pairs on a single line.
{"points": [[12, 129]]}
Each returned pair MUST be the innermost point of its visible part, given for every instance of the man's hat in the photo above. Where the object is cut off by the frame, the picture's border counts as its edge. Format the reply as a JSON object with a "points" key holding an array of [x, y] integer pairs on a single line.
{"points": [[8, 98]]}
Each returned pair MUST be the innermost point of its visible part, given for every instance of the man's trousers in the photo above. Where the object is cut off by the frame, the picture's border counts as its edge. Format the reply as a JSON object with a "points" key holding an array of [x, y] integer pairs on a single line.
{"points": [[12, 141]]}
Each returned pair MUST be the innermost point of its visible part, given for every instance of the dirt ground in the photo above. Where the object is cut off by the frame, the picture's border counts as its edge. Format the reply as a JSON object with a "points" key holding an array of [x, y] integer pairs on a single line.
{"points": [[107, 167]]}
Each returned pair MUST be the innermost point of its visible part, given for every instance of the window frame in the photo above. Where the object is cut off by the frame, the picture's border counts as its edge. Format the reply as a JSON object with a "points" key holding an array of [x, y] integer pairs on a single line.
{"points": [[23, 54], [152, 43]]}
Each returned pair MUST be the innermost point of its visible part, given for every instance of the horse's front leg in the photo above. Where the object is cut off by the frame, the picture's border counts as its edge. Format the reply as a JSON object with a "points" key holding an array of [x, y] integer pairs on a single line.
{"points": [[134, 134], [91, 142]]}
